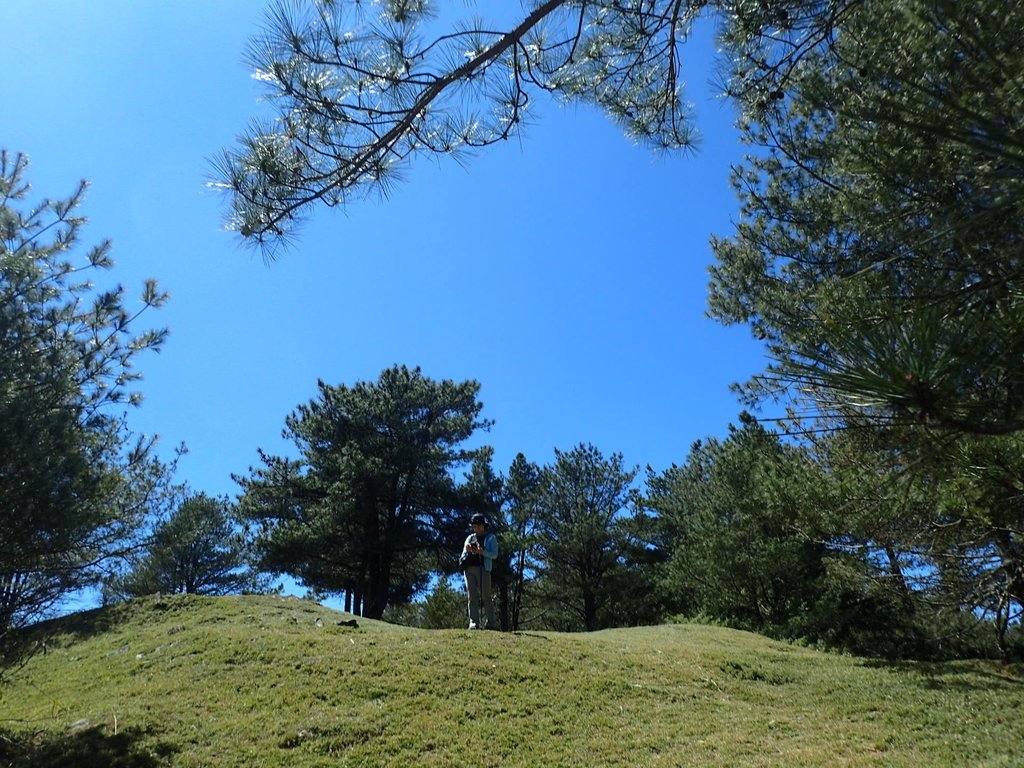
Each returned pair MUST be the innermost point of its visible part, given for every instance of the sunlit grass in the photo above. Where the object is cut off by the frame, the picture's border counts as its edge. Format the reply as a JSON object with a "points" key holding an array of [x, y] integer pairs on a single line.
{"points": [[265, 681]]}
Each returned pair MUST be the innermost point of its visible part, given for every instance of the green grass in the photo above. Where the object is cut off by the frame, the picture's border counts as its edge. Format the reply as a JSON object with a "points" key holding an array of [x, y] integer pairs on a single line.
{"points": [[270, 681]]}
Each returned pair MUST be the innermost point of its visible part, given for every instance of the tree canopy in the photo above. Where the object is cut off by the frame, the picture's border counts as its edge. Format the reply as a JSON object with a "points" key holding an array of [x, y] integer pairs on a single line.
{"points": [[198, 549], [371, 504], [878, 253], [744, 496], [74, 479], [360, 88], [581, 499]]}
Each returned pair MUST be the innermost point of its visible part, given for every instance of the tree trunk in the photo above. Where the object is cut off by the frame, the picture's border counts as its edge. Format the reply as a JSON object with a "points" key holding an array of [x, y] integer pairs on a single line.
{"points": [[1012, 562], [589, 611], [897, 573], [376, 598], [357, 597], [505, 596], [519, 579], [378, 587]]}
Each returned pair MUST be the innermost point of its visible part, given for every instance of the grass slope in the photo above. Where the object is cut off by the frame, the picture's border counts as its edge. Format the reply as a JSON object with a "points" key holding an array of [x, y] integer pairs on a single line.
{"points": [[270, 681]]}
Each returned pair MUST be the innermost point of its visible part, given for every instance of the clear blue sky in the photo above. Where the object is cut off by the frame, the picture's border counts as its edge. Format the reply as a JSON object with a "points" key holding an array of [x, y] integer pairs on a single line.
{"points": [[566, 272]]}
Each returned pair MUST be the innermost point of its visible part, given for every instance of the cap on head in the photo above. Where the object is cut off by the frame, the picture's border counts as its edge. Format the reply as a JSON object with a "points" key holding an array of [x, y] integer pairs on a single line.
{"points": [[478, 519]]}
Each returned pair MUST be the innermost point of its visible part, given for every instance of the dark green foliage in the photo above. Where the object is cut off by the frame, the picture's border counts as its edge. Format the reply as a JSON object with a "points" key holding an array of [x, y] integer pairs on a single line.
{"points": [[444, 607], [731, 517], [198, 550], [879, 256], [581, 501], [764, 535], [370, 507], [517, 553], [74, 482], [879, 248], [941, 518]]}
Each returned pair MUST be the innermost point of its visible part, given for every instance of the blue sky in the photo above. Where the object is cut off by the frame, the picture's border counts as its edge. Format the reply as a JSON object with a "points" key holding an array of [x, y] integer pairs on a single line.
{"points": [[566, 271]]}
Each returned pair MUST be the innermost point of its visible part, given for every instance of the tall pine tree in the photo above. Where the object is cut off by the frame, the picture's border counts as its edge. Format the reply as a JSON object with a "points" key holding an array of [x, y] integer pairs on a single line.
{"points": [[370, 506], [74, 480]]}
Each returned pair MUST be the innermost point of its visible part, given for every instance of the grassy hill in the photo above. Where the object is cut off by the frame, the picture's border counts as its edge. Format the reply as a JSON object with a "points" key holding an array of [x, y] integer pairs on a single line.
{"points": [[270, 681]]}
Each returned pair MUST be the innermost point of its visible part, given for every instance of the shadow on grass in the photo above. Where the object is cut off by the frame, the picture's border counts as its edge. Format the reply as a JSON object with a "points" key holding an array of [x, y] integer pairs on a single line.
{"points": [[19, 645], [91, 748], [521, 633], [951, 676]]}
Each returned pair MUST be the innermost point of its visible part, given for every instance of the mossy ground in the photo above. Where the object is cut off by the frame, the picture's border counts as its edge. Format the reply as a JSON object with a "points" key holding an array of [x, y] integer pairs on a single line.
{"points": [[269, 681]]}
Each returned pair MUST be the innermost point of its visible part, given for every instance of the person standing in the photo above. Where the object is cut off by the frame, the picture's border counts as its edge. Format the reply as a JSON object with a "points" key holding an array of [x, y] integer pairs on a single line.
{"points": [[477, 559]]}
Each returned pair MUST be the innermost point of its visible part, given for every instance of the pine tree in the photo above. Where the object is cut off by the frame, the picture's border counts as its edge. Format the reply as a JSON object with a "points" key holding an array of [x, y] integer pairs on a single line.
{"points": [[198, 550], [74, 480], [370, 507], [582, 499]]}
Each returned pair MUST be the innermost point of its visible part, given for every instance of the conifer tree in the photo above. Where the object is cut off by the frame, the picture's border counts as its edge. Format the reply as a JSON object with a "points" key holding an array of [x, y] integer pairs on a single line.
{"points": [[74, 479], [198, 550], [370, 506], [878, 250], [520, 508], [878, 255], [360, 88], [582, 499]]}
